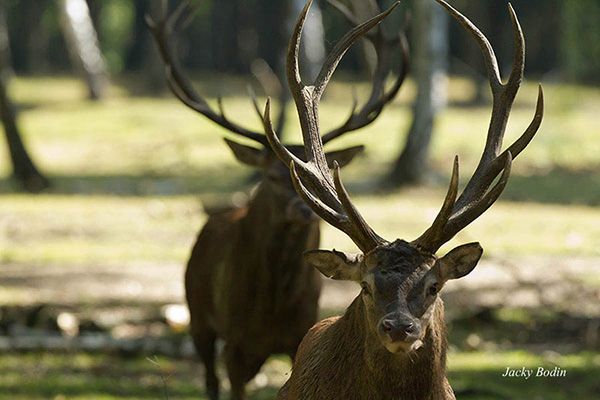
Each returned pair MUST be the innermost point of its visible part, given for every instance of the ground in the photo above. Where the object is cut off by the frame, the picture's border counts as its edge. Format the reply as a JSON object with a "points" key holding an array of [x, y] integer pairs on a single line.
{"points": [[109, 242]]}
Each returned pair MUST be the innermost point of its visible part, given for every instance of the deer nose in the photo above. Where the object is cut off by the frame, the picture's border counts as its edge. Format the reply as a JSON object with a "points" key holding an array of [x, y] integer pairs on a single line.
{"points": [[398, 330]]}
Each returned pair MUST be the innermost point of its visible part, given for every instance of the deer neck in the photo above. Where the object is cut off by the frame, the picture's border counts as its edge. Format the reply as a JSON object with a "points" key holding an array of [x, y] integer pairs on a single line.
{"points": [[270, 251], [418, 375], [267, 204]]}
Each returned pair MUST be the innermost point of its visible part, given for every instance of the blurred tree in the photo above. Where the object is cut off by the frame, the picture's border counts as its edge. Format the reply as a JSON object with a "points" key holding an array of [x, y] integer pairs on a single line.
{"points": [[142, 56], [580, 44], [273, 32], [226, 27], [31, 52], [429, 34], [5, 56], [136, 53], [24, 171], [82, 42]]}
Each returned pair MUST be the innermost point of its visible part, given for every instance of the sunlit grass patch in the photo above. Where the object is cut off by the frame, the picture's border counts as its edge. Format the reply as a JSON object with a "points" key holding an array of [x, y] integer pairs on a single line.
{"points": [[100, 376], [475, 375], [478, 375]]}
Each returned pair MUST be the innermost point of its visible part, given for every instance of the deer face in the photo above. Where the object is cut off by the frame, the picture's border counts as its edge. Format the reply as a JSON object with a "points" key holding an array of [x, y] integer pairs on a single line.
{"points": [[277, 176], [400, 286]]}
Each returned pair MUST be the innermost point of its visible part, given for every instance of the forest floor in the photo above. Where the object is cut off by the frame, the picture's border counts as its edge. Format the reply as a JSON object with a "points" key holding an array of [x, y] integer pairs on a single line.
{"points": [[109, 242]]}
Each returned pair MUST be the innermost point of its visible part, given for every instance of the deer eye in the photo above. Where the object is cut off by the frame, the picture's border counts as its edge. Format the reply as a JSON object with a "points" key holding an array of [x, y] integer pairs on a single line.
{"points": [[433, 289], [365, 288]]}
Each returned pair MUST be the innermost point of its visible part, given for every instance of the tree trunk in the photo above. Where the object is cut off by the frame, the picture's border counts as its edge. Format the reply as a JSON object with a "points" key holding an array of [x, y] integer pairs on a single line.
{"points": [[430, 51], [135, 56], [24, 171], [143, 56], [225, 35], [5, 57], [82, 42]]}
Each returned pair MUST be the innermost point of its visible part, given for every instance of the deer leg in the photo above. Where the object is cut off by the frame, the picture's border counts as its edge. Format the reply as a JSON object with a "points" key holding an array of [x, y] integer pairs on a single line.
{"points": [[241, 367], [205, 344]]}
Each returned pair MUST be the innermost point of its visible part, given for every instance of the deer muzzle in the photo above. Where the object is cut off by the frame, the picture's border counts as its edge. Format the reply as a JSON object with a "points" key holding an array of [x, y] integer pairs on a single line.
{"points": [[400, 333]]}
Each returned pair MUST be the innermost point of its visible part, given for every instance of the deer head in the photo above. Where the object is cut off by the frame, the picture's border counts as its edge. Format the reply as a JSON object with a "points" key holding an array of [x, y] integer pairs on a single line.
{"points": [[275, 174], [401, 280]]}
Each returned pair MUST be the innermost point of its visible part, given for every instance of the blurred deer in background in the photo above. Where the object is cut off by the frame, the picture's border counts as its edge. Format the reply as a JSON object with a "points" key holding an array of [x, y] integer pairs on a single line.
{"points": [[246, 281], [391, 342]]}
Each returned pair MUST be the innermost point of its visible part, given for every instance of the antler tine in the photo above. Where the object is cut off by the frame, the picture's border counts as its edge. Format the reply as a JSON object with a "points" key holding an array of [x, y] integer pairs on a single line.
{"points": [[327, 198], [435, 232], [280, 150], [379, 98], [468, 214], [252, 95], [491, 63], [503, 99], [518, 68], [292, 64], [307, 97], [360, 232], [163, 32], [477, 196], [350, 221], [319, 207], [340, 49]]}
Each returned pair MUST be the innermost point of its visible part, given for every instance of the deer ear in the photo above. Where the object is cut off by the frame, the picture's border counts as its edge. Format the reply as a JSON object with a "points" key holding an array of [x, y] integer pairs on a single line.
{"points": [[335, 264], [459, 262], [344, 156], [246, 154]]}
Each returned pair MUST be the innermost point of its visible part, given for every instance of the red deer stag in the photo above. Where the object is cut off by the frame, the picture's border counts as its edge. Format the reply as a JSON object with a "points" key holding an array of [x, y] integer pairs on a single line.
{"points": [[391, 342], [246, 281]]}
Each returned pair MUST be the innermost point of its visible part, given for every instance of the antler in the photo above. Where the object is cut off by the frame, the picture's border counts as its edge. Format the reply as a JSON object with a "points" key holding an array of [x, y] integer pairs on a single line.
{"points": [[330, 201], [477, 196], [163, 31], [379, 98]]}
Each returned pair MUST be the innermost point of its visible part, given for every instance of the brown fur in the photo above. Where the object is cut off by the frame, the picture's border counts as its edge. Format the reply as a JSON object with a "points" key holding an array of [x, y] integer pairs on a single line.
{"points": [[351, 357], [340, 358], [247, 283]]}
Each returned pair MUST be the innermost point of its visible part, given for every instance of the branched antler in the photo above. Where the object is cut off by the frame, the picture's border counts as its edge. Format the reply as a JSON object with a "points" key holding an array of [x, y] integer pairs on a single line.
{"points": [[163, 31], [327, 196], [164, 34], [477, 196], [330, 200], [384, 49]]}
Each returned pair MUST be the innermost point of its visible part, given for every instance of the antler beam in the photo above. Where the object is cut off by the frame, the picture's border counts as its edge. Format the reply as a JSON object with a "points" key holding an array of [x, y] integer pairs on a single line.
{"points": [[330, 200], [477, 196], [163, 31], [379, 98]]}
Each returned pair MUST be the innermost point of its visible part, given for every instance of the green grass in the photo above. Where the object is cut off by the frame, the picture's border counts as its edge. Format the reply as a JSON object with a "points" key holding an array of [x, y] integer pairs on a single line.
{"points": [[474, 376], [479, 376], [112, 162], [130, 174]]}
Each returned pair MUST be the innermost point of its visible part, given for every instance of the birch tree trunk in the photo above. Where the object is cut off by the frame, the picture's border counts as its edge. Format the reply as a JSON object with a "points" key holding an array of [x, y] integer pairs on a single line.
{"points": [[82, 42], [430, 48]]}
